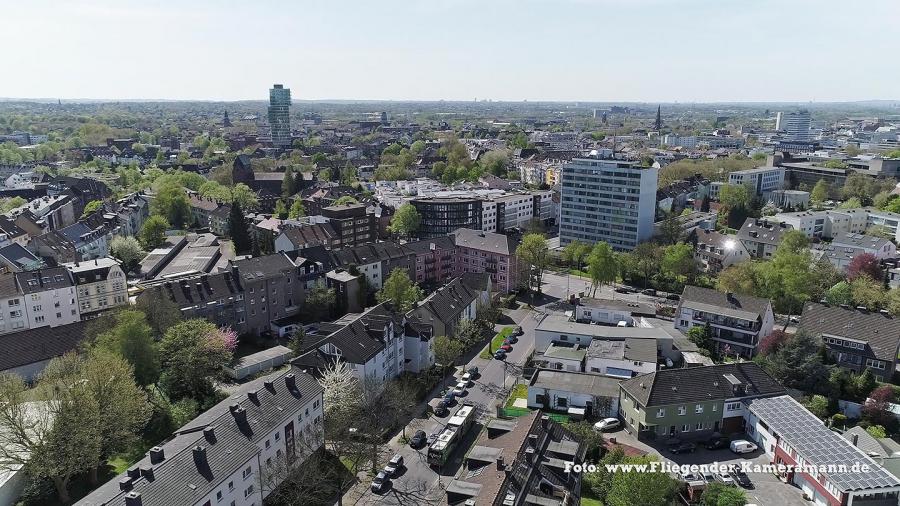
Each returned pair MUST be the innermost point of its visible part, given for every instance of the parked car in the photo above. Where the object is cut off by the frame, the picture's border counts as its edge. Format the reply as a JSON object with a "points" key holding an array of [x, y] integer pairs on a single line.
{"points": [[394, 465], [441, 409], [517, 331], [673, 296], [741, 478], [506, 347], [418, 439], [607, 424], [708, 477], [511, 340], [716, 443], [474, 371], [743, 446], [683, 447], [500, 355], [448, 397], [460, 389], [649, 291], [380, 482], [622, 289], [725, 478], [467, 378]]}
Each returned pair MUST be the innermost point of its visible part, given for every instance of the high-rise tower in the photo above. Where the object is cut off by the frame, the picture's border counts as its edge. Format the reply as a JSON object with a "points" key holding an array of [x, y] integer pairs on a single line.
{"points": [[280, 116]]}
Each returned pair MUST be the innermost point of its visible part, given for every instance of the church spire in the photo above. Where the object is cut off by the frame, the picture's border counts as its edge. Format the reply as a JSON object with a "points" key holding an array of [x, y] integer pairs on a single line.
{"points": [[658, 125]]}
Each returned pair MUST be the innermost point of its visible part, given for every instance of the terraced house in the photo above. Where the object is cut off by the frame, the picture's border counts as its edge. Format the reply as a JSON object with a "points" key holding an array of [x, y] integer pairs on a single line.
{"points": [[693, 402]]}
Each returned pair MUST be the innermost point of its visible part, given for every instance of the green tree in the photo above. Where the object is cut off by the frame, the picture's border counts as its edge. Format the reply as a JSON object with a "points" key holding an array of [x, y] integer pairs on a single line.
{"points": [[406, 221], [446, 351], [297, 210], [797, 364], [602, 267], [9, 204], [820, 192], [346, 199], [417, 147], [131, 337], [735, 195], [281, 210], [678, 261], [153, 232], [877, 431], [297, 342], [239, 229], [288, 183], [161, 313], [701, 335], [859, 186], [495, 162], [172, 203], [840, 293], [670, 230], [645, 488], [127, 250], [400, 290], [818, 405], [718, 494], [91, 207], [535, 256], [319, 302], [868, 292], [575, 252], [244, 196], [192, 353]]}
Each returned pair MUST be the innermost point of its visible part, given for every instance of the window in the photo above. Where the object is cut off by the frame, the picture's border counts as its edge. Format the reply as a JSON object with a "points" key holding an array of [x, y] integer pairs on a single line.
{"points": [[715, 407], [682, 410], [685, 428], [231, 487], [269, 462], [698, 408], [219, 496], [699, 426], [247, 472], [268, 444], [248, 492], [661, 412], [277, 436]]}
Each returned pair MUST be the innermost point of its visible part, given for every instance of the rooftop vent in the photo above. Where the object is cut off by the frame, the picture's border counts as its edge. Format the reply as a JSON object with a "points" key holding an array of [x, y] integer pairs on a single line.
{"points": [[210, 434], [270, 385], [157, 455], [133, 472], [125, 484], [133, 499]]}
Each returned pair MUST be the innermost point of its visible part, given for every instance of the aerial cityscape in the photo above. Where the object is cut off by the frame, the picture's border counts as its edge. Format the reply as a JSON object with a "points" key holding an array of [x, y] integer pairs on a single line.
{"points": [[449, 253]]}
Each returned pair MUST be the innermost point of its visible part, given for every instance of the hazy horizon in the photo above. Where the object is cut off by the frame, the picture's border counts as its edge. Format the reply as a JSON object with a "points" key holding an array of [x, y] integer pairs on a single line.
{"points": [[592, 51]]}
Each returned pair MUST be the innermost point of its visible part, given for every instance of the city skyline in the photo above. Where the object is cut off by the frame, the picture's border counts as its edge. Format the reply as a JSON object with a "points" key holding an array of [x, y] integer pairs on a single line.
{"points": [[648, 51]]}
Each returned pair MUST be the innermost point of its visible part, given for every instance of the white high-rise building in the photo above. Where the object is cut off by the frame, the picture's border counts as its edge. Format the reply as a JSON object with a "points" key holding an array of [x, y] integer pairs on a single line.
{"points": [[607, 200], [795, 125]]}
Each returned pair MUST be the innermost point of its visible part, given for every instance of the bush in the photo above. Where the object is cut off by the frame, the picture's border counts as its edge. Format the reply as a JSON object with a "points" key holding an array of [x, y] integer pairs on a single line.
{"points": [[838, 420]]}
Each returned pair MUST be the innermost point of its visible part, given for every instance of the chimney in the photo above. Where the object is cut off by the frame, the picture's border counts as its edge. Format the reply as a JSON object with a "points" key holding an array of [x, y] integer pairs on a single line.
{"points": [[270, 385], [500, 465], [239, 413], [545, 421], [125, 484], [254, 397], [200, 457], [133, 499], [529, 455], [147, 472], [157, 455], [133, 473], [854, 439], [290, 381], [210, 434], [533, 440]]}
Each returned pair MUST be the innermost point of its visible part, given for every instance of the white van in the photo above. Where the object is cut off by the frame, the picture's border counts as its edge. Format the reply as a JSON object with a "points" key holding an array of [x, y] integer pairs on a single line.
{"points": [[743, 446]]}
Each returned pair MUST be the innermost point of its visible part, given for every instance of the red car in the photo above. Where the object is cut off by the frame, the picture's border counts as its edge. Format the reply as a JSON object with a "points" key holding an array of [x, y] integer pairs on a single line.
{"points": [[506, 347]]}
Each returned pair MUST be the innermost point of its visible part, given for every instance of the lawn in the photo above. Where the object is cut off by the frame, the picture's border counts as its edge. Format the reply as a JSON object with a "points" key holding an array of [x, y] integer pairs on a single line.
{"points": [[496, 342], [590, 501], [519, 391]]}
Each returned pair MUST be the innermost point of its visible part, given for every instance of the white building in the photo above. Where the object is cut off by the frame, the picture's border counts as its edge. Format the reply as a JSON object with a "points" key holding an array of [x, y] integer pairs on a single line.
{"points": [[49, 297], [13, 316], [716, 252], [736, 321], [761, 179], [795, 125], [578, 393], [100, 284], [880, 247], [607, 200], [557, 328], [231, 455]]}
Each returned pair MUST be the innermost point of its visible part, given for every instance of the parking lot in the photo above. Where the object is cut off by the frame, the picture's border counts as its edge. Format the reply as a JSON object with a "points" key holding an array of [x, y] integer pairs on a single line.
{"points": [[766, 490]]}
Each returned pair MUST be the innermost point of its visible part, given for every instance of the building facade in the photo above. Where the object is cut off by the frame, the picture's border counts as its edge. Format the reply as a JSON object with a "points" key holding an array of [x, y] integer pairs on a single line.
{"points": [[736, 321], [280, 116], [99, 284]]}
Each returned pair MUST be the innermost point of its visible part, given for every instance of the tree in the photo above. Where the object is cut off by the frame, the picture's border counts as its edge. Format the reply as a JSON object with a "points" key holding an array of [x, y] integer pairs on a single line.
{"points": [[741, 278], [535, 255], [719, 494], [400, 290], [645, 261], [701, 336], [794, 242], [859, 186], [635, 487], [91, 207], [297, 210], [735, 195], [281, 210], [288, 183], [840, 293], [851, 203], [877, 407], [406, 221], [192, 353], [868, 292], [161, 313], [297, 342], [346, 199], [153, 232], [319, 302], [446, 351], [127, 250], [239, 229], [797, 364], [818, 405], [772, 342], [877, 431], [132, 338], [864, 264], [670, 230], [172, 202], [678, 261], [244, 196], [602, 267], [575, 252], [820, 192], [494, 162]]}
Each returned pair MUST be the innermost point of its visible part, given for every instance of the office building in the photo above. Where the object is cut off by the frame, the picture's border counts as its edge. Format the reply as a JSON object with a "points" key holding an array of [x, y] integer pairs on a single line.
{"points": [[795, 125], [762, 180], [280, 116], [607, 200]]}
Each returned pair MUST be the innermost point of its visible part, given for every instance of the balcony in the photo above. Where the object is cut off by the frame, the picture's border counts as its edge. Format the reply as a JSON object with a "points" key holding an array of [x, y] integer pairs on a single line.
{"points": [[722, 321]]}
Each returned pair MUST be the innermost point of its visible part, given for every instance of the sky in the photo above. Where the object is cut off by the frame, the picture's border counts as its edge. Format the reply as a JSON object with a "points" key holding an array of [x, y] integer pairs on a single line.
{"points": [[536, 50]]}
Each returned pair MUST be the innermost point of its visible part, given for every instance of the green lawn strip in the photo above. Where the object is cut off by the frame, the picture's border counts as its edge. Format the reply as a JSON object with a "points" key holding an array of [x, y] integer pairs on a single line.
{"points": [[520, 391], [496, 343], [590, 501]]}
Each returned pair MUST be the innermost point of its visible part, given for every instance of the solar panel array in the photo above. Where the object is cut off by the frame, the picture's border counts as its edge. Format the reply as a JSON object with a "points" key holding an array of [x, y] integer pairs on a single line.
{"points": [[819, 445]]}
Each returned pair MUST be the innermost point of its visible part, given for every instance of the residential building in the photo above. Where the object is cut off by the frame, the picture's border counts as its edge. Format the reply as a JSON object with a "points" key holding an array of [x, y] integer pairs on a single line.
{"points": [[825, 224], [612, 312], [13, 313], [272, 289], [233, 453], [447, 307], [352, 223], [280, 116], [49, 297], [856, 339], [607, 200], [761, 237], [762, 180], [715, 252], [131, 210], [99, 285], [828, 468], [218, 298], [796, 125], [838, 256], [441, 216], [43, 345], [692, 402], [495, 254], [376, 261], [883, 450], [880, 247], [520, 461], [621, 358], [789, 199], [435, 260], [558, 328], [296, 238], [16, 258], [737, 321], [577, 393]]}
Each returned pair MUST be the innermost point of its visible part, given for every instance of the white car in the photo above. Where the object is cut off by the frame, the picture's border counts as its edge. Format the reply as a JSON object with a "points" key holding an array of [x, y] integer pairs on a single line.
{"points": [[467, 378], [743, 446], [725, 479], [460, 388], [607, 424]]}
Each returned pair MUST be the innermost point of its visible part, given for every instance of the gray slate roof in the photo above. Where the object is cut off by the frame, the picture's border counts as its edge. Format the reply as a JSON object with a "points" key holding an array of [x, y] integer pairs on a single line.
{"points": [[819, 445], [767, 232], [576, 382], [745, 307], [35, 345], [695, 384], [882, 332], [484, 241]]}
